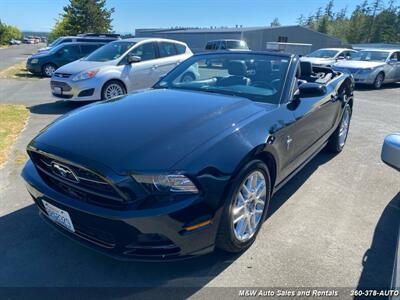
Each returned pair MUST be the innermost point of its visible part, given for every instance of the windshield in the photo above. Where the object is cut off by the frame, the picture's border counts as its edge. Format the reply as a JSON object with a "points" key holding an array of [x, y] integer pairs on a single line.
{"points": [[55, 42], [323, 53], [257, 77], [110, 51], [365, 55]]}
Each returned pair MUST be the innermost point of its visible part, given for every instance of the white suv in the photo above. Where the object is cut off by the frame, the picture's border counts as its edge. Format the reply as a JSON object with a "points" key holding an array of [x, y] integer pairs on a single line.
{"points": [[118, 68]]}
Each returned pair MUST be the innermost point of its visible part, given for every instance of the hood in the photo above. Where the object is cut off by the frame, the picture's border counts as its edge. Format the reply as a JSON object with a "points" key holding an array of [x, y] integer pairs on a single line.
{"points": [[357, 64], [82, 65], [44, 49], [144, 132], [318, 61]]}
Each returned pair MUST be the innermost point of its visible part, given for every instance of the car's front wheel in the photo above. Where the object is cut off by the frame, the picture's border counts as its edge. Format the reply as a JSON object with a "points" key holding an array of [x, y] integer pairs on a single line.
{"points": [[48, 70], [245, 208], [379, 81], [112, 89]]}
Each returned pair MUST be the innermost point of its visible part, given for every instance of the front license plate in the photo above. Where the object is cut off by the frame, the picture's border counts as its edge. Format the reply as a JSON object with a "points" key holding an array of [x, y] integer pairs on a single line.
{"points": [[58, 216], [57, 90]]}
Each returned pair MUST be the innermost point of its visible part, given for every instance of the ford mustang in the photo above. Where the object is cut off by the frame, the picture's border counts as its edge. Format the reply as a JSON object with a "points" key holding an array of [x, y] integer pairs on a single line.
{"points": [[175, 171]]}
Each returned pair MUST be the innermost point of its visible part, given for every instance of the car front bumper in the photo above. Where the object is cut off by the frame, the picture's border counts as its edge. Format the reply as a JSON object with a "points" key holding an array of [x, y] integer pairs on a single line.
{"points": [[34, 68], [146, 234], [83, 90]]}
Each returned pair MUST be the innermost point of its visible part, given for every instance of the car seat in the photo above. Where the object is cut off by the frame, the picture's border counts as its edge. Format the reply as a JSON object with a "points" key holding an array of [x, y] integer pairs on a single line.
{"points": [[238, 74]]}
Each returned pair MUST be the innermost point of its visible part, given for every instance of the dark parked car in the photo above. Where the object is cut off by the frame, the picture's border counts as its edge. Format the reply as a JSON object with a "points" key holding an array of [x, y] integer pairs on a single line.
{"points": [[46, 62], [177, 170]]}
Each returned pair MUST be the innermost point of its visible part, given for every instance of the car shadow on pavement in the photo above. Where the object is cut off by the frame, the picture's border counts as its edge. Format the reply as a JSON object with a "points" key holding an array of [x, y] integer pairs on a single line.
{"points": [[378, 261], [55, 108]]}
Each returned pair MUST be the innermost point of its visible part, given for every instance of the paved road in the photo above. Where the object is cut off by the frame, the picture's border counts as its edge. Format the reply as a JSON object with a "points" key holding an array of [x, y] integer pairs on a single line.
{"points": [[14, 54], [334, 225]]}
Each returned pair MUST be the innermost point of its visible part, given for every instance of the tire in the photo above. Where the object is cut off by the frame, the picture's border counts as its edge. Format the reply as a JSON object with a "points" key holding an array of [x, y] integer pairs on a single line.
{"points": [[338, 139], [48, 69], [188, 77], [112, 89], [229, 236], [379, 81]]}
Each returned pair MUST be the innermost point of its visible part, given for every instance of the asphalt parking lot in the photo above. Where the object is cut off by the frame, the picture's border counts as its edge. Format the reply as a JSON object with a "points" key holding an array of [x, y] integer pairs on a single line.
{"points": [[334, 225]]}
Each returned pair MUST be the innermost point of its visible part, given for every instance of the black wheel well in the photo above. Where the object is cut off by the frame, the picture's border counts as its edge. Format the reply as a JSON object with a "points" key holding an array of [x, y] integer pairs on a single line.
{"points": [[347, 85], [383, 73]]}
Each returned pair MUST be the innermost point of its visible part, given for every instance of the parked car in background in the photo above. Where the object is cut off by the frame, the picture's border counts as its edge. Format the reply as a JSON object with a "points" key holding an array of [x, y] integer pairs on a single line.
{"points": [[28, 40], [73, 39], [45, 63], [372, 67], [14, 42], [328, 56], [224, 45], [118, 68], [175, 171], [228, 45]]}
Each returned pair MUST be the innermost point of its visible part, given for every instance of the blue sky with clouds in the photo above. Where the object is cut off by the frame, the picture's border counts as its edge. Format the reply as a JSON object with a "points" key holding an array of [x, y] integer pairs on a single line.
{"points": [[40, 15]]}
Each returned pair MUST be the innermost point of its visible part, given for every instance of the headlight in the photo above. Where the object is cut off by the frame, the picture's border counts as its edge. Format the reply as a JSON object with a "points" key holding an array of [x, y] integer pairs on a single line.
{"points": [[85, 75], [34, 61], [168, 183]]}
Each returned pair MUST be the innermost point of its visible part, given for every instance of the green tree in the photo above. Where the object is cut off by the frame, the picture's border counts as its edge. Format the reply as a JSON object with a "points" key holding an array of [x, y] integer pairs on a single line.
{"points": [[82, 16], [8, 32], [275, 23]]}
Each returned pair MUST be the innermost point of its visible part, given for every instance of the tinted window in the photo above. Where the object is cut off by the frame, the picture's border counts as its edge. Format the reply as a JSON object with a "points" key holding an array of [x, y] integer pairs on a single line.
{"points": [[222, 45], [180, 48], [65, 41], [236, 45], [89, 48], [395, 56], [167, 49], [209, 46], [256, 77], [69, 52], [110, 51], [146, 51]]}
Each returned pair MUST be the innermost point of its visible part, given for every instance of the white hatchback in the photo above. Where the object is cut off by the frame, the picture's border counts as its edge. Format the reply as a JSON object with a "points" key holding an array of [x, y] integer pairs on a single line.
{"points": [[118, 68]]}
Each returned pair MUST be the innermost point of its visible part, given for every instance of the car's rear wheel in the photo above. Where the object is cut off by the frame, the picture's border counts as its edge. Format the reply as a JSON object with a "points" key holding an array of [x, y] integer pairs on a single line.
{"points": [[112, 89], [379, 81], [245, 208], [339, 137], [48, 70]]}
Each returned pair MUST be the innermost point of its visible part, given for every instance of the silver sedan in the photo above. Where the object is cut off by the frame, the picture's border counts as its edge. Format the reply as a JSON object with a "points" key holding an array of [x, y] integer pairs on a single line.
{"points": [[372, 67]]}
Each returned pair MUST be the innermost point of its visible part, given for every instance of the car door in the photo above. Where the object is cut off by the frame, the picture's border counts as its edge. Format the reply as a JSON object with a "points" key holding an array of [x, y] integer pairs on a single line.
{"points": [[142, 74], [168, 58], [67, 54], [396, 65], [314, 118]]}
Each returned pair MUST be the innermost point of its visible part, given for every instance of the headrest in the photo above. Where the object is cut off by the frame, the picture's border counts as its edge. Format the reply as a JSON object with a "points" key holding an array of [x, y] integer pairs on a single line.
{"points": [[306, 68], [237, 68], [263, 67]]}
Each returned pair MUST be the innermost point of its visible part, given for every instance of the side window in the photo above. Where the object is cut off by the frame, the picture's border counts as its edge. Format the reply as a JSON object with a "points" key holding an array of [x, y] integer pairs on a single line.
{"points": [[89, 48], [395, 56], [65, 41], [166, 49], [146, 51], [180, 49], [70, 52], [209, 46], [223, 45]]}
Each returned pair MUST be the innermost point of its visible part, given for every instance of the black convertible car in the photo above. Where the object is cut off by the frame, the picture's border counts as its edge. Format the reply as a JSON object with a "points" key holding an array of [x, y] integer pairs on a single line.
{"points": [[189, 165]]}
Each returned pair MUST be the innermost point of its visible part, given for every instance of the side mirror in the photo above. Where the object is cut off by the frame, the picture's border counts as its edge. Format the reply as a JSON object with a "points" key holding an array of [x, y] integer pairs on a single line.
{"points": [[391, 151], [311, 89], [392, 61], [340, 57], [133, 59]]}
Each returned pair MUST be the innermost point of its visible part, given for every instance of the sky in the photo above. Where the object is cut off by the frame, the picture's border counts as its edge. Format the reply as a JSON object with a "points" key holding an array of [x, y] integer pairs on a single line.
{"points": [[40, 15]]}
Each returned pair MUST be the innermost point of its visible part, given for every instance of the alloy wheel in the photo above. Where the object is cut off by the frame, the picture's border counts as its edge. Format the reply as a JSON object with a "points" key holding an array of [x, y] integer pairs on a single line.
{"points": [[248, 208], [49, 70], [113, 90], [344, 127]]}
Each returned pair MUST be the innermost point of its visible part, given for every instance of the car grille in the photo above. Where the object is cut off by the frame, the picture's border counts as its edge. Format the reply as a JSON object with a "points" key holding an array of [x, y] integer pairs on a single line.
{"points": [[83, 184], [61, 75], [64, 86]]}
